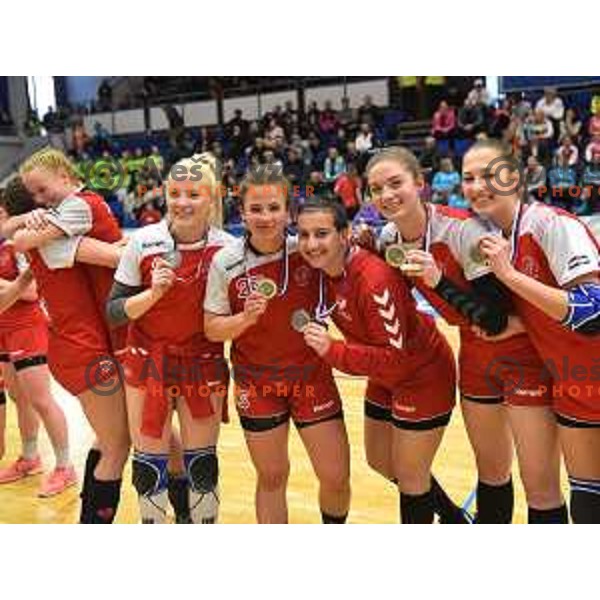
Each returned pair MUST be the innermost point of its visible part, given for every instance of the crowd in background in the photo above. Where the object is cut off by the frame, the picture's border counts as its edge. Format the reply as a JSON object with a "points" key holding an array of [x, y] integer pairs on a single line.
{"points": [[326, 150]]}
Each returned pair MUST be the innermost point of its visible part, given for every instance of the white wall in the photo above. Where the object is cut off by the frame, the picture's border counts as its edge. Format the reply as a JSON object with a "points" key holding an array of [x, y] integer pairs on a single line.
{"points": [[269, 101], [198, 114]]}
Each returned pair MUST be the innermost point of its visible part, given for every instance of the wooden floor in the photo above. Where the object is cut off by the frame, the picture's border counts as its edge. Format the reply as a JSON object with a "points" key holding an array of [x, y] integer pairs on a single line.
{"points": [[373, 500]]}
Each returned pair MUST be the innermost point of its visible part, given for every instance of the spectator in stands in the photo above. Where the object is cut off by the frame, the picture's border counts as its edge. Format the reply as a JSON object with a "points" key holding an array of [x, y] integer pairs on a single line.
{"points": [[289, 119], [539, 132], [479, 96], [470, 118], [364, 140], [592, 148], [501, 119], [274, 133], [561, 179], [55, 127], [105, 96], [255, 152], [368, 112], [334, 165], [312, 116], [347, 115], [553, 108], [521, 108], [445, 182], [348, 188], [328, 122], [238, 120], [535, 177], [341, 139], [571, 126], [568, 151], [444, 122], [591, 182], [294, 169], [149, 214], [429, 159], [237, 143], [351, 153], [158, 162], [594, 123], [315, 155]]}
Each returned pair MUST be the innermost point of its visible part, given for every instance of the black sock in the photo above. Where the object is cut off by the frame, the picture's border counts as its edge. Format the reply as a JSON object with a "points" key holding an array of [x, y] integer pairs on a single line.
{"points": [[102, 502], [179, 497], [415, 510], [332, 519], [495, 503], [91, 462], [548, 516], [444, 507], [585, 501]]}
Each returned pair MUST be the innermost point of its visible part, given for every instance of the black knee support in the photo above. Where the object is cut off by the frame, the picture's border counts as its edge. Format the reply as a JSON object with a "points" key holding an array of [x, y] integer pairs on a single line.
{"points": [[149, 473], [202, 467]]}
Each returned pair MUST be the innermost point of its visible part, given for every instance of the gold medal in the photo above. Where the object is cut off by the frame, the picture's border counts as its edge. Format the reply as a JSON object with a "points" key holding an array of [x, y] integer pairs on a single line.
{"points": [[395, 256], [267, 288]]}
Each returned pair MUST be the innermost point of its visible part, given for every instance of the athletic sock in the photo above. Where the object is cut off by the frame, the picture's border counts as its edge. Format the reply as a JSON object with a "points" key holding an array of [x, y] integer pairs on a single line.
{"points": [[328, 519], [548, 516], [416, 509], [495, 503]]}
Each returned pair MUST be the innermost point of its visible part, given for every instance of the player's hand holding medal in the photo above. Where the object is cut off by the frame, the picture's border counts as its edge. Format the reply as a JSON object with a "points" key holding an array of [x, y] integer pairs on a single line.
{"points": [[257, 302], [497, 252], [317, 337], [163, 276]]}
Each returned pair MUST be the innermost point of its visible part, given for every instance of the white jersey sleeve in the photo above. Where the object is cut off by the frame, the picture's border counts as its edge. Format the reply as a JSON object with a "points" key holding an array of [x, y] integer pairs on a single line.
{"points": [[128, 272], [216, 299], [73, 216], [569, 250]]}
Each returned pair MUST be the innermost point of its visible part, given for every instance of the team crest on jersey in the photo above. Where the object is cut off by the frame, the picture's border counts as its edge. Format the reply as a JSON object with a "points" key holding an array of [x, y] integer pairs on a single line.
{"points": [[530, 267], [302, 276]]}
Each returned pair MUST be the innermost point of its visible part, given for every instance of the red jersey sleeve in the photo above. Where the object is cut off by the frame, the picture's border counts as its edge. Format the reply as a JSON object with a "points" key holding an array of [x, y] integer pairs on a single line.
{"points": [[379, 352]]}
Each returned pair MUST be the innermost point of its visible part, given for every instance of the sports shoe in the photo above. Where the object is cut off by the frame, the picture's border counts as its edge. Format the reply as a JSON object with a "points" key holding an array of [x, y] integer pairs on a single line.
{"points": [[58, 481], [20, 469]]}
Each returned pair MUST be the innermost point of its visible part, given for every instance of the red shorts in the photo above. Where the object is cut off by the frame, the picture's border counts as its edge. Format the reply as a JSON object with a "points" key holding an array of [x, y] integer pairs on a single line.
{"points": [[493, 373], [78, 369], [267, 398], [423, 403], [24, 342], [179, 377], [576, 403]]}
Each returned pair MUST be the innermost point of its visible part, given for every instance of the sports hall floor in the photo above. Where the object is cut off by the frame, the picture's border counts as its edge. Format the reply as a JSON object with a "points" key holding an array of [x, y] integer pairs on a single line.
{"points": [[373, 500]]}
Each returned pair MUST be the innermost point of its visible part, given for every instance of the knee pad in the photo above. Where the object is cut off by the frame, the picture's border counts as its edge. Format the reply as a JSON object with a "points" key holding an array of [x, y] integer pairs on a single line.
{"points": [[585, 501], [149, 473], [202, 468]]}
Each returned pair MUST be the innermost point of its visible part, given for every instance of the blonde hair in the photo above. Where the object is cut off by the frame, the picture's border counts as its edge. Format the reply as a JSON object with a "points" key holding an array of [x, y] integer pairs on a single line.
{"points": [[50, 160], [206, 167], [400, 155]]}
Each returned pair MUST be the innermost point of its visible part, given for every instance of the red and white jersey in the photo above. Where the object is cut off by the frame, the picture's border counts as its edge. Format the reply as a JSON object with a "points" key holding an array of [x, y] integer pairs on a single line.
{"points": [[178, 317], [444, 238], [75, 293], [386, 338], [22, 313], [443, 242], [235, 272], [553, 247]]}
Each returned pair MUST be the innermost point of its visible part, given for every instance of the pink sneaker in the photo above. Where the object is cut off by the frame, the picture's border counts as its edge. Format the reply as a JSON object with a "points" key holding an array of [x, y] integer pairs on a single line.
{"points": [[58, 481], [20, 469]]}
